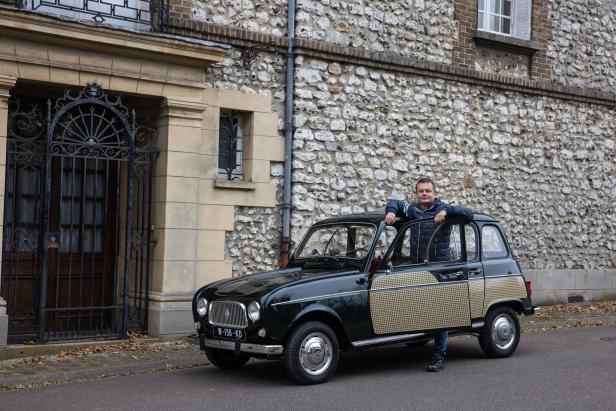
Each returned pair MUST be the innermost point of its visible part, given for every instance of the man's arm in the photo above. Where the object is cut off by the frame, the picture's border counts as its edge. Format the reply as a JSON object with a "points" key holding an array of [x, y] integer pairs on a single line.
{"points": [[397, 208], [452, 210]]}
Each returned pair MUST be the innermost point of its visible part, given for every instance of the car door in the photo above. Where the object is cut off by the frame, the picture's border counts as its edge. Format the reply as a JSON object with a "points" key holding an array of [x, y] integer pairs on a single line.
{"points": [[428, 293]]}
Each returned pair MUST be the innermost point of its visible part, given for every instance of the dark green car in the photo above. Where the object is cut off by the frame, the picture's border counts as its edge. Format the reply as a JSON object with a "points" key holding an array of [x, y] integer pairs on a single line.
{"points": [[353, 283]]}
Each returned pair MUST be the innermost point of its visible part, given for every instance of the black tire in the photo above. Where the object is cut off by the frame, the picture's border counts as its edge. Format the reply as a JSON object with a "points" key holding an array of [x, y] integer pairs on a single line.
{"points": [[225, 359], [311, 353], [500, 335]]}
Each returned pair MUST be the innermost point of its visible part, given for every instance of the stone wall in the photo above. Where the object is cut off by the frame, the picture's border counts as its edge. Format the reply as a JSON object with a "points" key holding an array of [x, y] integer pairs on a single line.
{"points": [[583, 46], [262, 16], [424, 29], [541, 165]]}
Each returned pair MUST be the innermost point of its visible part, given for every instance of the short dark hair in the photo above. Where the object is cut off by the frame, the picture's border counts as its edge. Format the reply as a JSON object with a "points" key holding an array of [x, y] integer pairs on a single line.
{"points": [[425, 180]]}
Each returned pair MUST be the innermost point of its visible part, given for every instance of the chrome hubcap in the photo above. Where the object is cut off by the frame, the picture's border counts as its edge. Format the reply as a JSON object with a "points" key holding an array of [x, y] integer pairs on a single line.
{"points": [[503, 332], [315, 353]]}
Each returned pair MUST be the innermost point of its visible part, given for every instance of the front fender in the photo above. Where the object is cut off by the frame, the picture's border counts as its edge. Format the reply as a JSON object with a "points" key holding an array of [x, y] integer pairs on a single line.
{"points": [[283, 321]]}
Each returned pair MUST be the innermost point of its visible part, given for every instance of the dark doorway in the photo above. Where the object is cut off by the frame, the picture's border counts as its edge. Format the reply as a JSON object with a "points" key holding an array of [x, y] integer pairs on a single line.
{"points": [[76, 252]]}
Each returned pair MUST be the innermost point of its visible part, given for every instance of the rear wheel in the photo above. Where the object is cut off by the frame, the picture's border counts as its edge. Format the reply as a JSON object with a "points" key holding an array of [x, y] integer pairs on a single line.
{"points": [[500, 335], [225, 359], [311, 353]]}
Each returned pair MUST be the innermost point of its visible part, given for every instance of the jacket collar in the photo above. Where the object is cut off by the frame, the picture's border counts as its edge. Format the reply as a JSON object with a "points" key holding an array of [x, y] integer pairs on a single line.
{"points": [[436, 202]]}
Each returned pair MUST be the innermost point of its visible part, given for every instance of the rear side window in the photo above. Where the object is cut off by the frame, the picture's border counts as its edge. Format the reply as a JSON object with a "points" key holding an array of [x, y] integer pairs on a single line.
{"points": [[492, 243]]}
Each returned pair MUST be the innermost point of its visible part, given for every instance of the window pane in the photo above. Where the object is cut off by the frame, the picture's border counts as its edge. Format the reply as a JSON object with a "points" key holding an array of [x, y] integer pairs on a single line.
{"points": [[506, 25], [480, 21], [482, 5], [496, 6], [230, 146], [494, 23], [446, 244], [507, 8], [492, 244]]}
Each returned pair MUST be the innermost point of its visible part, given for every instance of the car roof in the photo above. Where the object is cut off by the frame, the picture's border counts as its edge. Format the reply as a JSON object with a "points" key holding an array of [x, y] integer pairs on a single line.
{"points": [[375, 217]]}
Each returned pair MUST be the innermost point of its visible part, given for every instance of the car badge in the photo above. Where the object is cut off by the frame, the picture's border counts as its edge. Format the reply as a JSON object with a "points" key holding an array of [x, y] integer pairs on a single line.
{"points": [[227, 313]]}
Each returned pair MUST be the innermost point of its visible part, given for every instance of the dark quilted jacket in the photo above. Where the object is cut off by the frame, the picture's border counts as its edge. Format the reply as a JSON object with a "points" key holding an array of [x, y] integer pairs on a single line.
{"points": [[421, 236]]}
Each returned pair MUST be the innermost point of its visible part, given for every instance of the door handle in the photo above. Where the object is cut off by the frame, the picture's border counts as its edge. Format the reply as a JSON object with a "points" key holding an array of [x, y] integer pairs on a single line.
{"points": [[475, 271]]}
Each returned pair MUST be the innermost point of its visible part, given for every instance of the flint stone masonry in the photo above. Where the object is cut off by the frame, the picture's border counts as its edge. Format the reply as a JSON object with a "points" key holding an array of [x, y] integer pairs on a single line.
{"points": [[502, 62], [583, 47], [423, 29], [263, 16], [542, 166]]}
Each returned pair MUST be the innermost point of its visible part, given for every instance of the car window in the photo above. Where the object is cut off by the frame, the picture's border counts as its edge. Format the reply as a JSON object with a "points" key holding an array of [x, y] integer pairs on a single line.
{"points": [[338, 240], [470, 237], [492, 243], [446, 244], [386, 238], [411, 245]]}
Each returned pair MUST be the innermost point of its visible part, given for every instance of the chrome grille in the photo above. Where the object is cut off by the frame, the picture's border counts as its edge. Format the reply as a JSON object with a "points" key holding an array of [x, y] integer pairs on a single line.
{"points": [[228, 314]]}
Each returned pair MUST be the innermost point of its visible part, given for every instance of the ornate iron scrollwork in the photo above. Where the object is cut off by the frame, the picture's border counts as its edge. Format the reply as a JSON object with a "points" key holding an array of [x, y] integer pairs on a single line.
{"points": [[250, 53], [229, 146], [91, 124]]}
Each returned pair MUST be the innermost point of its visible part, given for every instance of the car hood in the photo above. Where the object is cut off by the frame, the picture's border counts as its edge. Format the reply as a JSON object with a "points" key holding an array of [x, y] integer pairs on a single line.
{"points": [[257, 285]]}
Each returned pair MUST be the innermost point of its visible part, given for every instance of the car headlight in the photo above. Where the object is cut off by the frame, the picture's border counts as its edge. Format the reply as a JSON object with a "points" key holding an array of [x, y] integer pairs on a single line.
{"points": [[201, 307], [254, 311]]}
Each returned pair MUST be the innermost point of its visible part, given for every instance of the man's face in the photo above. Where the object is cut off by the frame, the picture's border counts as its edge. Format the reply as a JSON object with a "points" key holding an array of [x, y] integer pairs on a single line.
{"points": [[425, 194]]}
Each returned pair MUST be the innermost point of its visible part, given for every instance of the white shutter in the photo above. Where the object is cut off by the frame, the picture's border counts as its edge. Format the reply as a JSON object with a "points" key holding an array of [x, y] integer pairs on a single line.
{"points": [[522, 19]]}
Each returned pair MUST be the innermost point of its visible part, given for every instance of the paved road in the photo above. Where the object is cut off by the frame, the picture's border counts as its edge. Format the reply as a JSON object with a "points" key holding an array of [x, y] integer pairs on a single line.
{"points": [[569, 369]]}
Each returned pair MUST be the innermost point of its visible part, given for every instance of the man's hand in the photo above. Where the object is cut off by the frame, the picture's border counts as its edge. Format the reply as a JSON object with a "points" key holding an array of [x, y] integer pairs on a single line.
{"points": [[390, 218], [440, 217]]}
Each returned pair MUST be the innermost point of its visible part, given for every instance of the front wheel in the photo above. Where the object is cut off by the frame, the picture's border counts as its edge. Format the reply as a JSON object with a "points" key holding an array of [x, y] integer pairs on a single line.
{"points": [[225, 359], [311, 353], [500, 335]]}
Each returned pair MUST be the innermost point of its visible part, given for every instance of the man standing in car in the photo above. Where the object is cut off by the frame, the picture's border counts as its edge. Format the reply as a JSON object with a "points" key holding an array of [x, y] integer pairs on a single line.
{"points": [[427, 206]]}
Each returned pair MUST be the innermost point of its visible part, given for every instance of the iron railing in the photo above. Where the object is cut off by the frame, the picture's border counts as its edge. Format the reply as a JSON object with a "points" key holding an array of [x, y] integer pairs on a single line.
{"points": [[142, 15]]}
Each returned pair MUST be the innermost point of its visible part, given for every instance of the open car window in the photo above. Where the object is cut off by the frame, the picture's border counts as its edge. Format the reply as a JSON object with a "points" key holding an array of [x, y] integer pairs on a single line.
{"points": [[405, 250], [338, 240], [446, 244]]}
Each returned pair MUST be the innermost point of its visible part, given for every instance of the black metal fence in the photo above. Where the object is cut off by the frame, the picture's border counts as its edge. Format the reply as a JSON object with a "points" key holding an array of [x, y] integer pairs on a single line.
{"points": [[143, 15]]}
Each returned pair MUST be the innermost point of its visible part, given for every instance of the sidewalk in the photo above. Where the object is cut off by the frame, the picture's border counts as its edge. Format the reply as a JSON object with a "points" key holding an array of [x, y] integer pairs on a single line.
{"points": [[27, 366]]}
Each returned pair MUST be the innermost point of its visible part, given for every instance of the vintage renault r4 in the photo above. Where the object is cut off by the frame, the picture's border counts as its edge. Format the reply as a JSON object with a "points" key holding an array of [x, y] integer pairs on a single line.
{"points": [[354, 282]]}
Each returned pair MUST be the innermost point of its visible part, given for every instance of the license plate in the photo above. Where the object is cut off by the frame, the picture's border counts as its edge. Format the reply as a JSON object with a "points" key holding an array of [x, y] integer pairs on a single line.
{"points": [[229, 333]]}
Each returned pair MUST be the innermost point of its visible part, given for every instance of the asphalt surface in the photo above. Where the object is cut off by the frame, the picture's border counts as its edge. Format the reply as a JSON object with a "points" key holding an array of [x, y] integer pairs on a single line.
{"points": [[566, 369]]}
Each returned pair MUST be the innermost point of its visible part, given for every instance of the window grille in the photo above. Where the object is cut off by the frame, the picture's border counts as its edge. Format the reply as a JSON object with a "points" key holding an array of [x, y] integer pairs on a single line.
{"points": [[230, 145]]}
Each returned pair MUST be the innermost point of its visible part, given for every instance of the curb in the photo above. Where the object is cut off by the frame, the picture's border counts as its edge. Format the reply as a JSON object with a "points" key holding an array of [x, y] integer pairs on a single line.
{"points": [[91, 373]]}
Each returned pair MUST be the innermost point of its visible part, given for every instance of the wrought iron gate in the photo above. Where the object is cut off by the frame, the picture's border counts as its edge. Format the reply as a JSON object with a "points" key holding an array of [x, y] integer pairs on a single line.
{"points": [[77, 219]]}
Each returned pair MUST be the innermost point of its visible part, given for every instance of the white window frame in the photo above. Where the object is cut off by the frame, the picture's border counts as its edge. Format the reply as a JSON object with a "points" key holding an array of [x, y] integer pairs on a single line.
{"points": [[485, 15]]}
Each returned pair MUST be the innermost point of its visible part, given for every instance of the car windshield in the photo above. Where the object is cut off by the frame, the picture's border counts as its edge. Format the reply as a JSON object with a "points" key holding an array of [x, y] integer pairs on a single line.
{"points": [[338, 240]]}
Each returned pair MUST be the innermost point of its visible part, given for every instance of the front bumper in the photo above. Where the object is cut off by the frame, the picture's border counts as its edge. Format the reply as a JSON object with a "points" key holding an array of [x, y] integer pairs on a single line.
{"points": [[242, 346]]}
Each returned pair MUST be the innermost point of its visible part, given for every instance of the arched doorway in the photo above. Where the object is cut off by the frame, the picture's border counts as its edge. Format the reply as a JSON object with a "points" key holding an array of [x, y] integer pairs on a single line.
{"points": [[77, 209]]}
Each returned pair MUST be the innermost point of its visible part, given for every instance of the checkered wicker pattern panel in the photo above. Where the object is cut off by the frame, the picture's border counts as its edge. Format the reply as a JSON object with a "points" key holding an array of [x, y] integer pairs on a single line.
{"points": [[475, 294], [504, 288], [403, 280], [420, 308]]}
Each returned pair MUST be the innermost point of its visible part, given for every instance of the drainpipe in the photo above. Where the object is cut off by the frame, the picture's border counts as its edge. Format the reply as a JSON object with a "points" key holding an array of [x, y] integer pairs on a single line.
{"points": [[288, 139]]}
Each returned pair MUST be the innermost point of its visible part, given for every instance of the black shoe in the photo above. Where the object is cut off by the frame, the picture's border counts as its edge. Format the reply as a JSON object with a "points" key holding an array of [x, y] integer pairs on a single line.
{"points": [[436, 363]]}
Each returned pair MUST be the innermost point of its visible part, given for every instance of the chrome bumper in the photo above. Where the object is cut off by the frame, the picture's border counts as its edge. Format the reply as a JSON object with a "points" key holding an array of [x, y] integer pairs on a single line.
{"points": [[244, 347], [536, 310]]}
